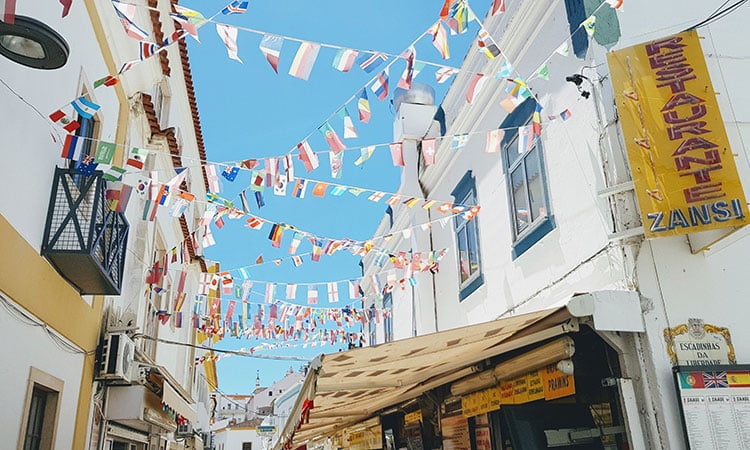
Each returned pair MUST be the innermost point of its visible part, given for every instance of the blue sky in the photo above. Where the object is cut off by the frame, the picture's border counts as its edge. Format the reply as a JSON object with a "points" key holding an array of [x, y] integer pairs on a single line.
{"points": [[248, 111]]}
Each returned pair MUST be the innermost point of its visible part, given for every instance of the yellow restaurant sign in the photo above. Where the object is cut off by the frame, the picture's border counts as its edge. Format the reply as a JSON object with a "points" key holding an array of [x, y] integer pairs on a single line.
{"points": [[683, 169], [547, 383]]}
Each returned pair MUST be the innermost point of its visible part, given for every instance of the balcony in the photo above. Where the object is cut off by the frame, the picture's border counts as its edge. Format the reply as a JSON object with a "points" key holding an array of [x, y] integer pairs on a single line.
{"points": [[83, 239]]}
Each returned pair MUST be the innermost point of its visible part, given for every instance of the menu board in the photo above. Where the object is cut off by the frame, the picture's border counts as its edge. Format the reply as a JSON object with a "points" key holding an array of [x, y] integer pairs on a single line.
{"points": [[715, 406], [455, 433]]}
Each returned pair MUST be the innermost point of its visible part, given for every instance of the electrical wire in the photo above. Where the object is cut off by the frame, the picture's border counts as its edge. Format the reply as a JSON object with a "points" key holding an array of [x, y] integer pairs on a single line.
{"points": [[718, 14], [217, 350]]}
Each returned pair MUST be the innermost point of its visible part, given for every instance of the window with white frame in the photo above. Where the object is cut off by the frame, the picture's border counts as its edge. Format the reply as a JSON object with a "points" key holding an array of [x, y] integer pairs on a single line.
{"points": [[523, 164], [467, 238]]}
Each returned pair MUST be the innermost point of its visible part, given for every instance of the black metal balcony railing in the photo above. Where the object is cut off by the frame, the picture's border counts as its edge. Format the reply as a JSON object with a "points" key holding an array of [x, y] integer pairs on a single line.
{"points": [[83, 239]]}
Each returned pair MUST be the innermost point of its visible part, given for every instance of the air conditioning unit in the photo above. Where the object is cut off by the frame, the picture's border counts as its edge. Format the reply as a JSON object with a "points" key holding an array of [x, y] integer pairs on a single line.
{"points": [[117, 358], [184, 430]]}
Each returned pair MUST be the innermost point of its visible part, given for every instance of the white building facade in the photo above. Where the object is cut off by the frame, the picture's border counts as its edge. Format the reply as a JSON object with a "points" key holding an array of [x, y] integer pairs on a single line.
{"points": [[559, 215]]}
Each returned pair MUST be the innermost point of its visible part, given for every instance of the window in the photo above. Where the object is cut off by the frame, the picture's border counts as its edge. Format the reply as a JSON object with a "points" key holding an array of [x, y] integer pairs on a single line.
{"points": [[467, 238], [247, 446], [523, 163], [41, 411], [387, 319]]}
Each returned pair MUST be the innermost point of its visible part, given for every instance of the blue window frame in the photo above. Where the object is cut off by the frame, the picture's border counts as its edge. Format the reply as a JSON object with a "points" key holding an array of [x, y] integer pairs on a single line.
{"points": [[388, 318], [467, 238], [523, 163]]}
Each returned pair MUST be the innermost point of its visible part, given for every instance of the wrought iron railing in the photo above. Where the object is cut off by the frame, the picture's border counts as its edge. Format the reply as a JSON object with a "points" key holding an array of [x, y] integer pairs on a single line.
{"points": [[83, 238]]}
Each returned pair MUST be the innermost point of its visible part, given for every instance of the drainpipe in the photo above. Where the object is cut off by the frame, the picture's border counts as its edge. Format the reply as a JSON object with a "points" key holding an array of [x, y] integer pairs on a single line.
{"points": [[415, 112]]}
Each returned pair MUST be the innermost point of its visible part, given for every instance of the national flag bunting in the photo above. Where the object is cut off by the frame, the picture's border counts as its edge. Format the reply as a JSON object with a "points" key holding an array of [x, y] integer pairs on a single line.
{"points": [[72, 147], [565, 115], [459, 141], [137, 158], [440, 39], [487, 45], [277, 232], [380, 86], [363, 105], [228, 35], [333, 292], [85, 107], [369, 61], [108, 81], [320, 189], [8, 11], [494, 138], [270, 46], [235, 7], [312, 295], [304, 60], [349, 131], [308, 156], [406, 78], [498, 6], [126, 13], [147, 49], [536, 120], [299, 188], [365, 154], [476, 85], [230, 173], [333, 140], [428, 151], [62, 119], [397, 153], [444, 73], [337, 164], [344, 59]]}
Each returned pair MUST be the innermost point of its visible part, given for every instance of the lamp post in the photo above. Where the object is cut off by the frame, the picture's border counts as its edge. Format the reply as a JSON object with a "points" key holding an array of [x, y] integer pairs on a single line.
{"points": [[31, 43]]}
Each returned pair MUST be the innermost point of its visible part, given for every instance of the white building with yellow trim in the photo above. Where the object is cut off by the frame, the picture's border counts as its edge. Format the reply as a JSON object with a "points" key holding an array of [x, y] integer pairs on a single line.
{"points": [[88, 362]]}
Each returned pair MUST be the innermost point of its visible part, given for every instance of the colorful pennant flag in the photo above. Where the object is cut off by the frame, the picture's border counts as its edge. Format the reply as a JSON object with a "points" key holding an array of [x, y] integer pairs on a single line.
{"points": [[333, 140], [333, 292], [126, 13], [62, 119], [458, 17], [113, 173], [85, 107], [304, 60], [296, 240], [270, 46], [498, 6], [543, 72], [363, 105], [344, 59], [337, 164], [589, 25], [440, 39], [365, 154], [308, 156], [369, 61], [536, 120], [563, 49], [291, 291], [349, 131], [105, 151], [312, 295], [354, 289], [213, 178], [397, 154], [376, 196], [277, 232], [228, 35], [380, 86], [525, 139], [137, 158], [147, 50], [459, 141], [428, 151], [72, 147], [230, 173], [108, 81], [506, 69], [565, 115], [299, 188], [444, 73], [476, 85], [8, 11], [235, 7], [487, 45], [494, 138], [320, 189], [406, 78]]}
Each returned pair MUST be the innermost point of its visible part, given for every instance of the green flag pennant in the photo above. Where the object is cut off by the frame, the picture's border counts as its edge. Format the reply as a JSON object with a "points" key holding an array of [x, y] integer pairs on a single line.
{"points": [[105, 151]]}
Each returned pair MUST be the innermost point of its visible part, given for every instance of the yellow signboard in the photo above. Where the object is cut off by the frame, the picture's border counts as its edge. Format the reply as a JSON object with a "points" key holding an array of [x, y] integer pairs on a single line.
{"points": [[369, 438], [535, 385], [556, 383], [683, 169], [413, 417]]}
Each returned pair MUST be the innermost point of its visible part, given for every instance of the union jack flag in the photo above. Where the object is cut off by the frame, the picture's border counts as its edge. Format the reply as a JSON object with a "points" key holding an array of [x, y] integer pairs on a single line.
{"points": [[715, 379]]}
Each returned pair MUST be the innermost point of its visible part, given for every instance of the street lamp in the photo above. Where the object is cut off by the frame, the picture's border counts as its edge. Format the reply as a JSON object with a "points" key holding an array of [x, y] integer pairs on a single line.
{"points": [[33, 44]]}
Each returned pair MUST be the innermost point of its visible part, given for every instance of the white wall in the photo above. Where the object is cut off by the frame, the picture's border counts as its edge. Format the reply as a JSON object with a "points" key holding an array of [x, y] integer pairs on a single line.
{"points": [[232, 439], [27, 346]]}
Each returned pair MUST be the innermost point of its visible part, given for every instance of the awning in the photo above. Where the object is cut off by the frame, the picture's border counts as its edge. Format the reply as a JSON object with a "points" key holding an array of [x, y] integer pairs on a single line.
{"points": [[345, 388], [173, 394]]}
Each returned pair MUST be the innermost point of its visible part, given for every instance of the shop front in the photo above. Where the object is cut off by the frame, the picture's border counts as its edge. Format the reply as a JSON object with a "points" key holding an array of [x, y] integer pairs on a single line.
{"points": [[537, 380]]}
